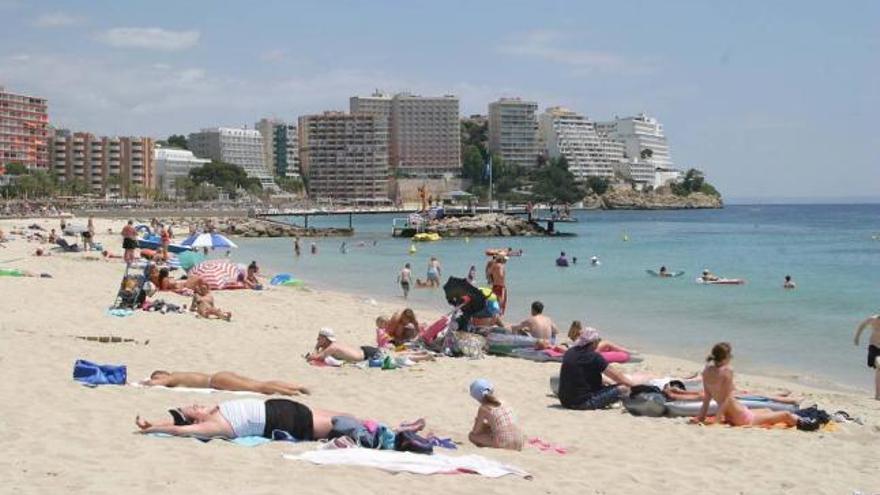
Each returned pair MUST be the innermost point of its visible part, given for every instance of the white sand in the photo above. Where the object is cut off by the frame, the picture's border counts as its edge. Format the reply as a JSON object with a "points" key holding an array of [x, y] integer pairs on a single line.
{"points": [[57, 436]]}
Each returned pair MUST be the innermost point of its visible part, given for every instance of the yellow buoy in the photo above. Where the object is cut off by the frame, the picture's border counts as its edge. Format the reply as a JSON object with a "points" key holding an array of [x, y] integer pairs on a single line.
{"points": [[467, 239], [412, 249]]}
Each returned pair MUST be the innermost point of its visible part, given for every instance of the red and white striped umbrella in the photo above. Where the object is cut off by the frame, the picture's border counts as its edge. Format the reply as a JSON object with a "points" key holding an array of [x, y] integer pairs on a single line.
{"points": [[218, 274]]}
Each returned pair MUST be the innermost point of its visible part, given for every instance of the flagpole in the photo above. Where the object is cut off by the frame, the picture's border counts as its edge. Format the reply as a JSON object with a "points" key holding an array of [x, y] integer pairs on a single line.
{"points": [[490, 184]]}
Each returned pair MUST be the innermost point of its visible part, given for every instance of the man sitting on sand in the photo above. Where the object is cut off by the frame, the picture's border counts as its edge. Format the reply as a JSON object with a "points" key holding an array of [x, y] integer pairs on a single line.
{"points": [[581, 384], [327, 347], [203, 304], [222, 380], [538, 325]]}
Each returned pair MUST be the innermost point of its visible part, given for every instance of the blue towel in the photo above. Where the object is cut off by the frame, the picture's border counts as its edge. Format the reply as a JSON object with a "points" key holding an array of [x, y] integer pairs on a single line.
{"points": [[90, 373], [243, 441]]}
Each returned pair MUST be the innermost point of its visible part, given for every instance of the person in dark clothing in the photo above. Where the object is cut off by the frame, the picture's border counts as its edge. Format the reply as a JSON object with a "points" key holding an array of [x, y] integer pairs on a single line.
{"points": [[581, 384]]}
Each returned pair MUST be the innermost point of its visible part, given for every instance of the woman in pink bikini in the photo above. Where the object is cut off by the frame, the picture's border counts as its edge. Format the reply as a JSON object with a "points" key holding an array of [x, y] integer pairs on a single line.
{"points": [[718, 385]]}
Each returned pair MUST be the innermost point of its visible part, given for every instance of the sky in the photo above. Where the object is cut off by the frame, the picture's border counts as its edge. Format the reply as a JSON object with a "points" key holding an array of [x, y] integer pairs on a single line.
{"points": [[770, 99]]}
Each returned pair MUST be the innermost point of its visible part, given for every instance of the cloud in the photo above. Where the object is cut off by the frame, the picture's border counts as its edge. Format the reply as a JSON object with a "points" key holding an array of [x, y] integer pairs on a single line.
{"points": [[57, 19], [150, 38], [560, 48]]}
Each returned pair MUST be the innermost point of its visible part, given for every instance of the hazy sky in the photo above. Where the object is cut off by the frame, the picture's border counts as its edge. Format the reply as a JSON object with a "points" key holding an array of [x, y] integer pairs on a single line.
{"points": [[769, 98]]}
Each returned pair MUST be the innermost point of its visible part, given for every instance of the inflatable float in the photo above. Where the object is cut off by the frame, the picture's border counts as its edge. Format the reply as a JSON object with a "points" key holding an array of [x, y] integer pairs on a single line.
{"points": [[523, 347], [286, 280], [721, 281], [426, 237], [668, 274], [503, 252], [655, 405]]}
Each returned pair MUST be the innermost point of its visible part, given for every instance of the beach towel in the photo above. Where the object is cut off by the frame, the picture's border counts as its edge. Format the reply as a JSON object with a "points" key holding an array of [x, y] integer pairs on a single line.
{"points": [[94, 374], [192, 390], [406, 462], [120, 312], [242, 441]]}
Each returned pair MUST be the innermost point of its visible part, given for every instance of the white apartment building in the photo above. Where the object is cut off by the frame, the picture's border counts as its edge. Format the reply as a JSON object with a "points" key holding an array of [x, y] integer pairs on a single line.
{"points": [[569, 134], [344, 157], [242, 147], [638, 134], [513, 131], [424, 132], [171, 164]]}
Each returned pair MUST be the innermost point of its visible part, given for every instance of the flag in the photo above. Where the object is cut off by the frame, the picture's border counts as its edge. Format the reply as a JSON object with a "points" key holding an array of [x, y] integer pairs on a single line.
{"points": [[487, 172]]}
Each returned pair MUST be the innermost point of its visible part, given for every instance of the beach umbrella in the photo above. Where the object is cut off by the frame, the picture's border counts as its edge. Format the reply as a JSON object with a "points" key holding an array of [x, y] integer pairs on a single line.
{"points": [[189, 259], [218, 274], [460, 292], [209, 240]]}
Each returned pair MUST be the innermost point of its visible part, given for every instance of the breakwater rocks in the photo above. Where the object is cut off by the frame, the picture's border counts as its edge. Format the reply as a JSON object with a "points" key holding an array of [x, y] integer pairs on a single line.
{"points": [[623, 199], [252, 227], [485, 225]]}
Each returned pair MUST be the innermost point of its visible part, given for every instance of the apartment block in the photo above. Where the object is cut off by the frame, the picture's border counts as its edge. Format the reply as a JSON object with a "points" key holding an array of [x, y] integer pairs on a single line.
{"points": [[344, 157], [172, 164], [589, 154], [242, 147], [105, 165], [424, 132], [280, 149], [513, 131], [24, 130], [639, 134]]}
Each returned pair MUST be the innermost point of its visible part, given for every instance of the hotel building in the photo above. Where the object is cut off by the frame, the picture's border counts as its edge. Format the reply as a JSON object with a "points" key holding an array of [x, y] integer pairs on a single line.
{"points": [[106, 165], [569, 134], [344, 157], [24, 130], [638, 134], [513, 131], [242, 147], [171, 164]]}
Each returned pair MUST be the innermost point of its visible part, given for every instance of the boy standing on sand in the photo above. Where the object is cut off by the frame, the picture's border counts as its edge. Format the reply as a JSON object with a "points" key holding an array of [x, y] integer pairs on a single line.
{"points": [[404, 279], [873, 348]]}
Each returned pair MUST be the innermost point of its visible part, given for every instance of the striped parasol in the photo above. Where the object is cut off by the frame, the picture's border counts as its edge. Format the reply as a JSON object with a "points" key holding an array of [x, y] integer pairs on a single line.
{"points": [[218, 274]]}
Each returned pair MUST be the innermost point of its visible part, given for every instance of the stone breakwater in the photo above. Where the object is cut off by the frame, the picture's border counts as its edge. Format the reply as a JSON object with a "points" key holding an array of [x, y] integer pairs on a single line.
{"points": [[252, 227], [485, 225], [634, 200]]}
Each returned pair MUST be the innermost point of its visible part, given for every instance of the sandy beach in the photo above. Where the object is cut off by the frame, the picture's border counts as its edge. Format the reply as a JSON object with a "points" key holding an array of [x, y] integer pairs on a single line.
{"points": [[59, 436]]}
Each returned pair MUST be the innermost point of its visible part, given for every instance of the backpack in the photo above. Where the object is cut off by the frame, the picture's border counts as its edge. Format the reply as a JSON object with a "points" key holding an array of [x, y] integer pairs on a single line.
{"points": [[409, 441]]}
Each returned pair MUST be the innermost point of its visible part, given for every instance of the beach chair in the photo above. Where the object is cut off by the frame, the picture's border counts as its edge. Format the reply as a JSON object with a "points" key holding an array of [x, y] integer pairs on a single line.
{"points": [[66, 246]]}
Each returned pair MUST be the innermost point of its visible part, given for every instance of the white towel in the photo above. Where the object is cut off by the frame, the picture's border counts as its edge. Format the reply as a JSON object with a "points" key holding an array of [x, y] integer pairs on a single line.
{"points": [[409, 462], [192, 390]]}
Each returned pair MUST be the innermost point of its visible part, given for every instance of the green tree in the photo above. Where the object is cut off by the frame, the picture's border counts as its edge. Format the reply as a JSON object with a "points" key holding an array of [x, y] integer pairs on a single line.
{"points": [[647, 154], [177, 141], [16, 169], [225, 176], [472, 163], [293, 185], [693, 181], [555, 183], [598, 185]]}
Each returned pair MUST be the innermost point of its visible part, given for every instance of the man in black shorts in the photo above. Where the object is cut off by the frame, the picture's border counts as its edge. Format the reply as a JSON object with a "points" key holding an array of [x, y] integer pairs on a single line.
{"points": [[873, 348], [328, 347]]}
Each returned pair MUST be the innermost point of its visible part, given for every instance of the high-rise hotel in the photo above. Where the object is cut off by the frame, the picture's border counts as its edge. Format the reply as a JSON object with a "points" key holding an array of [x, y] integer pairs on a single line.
{"points": [[24, 130], [344, 157], [639, 134], [105, 165], [513, 131], [424, 134]]}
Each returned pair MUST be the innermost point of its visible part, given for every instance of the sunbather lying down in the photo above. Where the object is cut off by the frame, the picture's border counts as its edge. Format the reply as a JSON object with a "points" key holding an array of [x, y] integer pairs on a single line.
{"points": [[222, 380], [257, 417]]}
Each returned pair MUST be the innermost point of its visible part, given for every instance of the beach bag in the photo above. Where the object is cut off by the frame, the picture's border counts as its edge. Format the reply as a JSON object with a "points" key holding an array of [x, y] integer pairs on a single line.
{"points": [[471, 345], [91, 373], [409, 441]]}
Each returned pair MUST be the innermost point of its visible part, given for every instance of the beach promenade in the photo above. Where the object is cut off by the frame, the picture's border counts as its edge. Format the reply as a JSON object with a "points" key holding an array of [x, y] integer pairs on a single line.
{"points": [[61, 437]]}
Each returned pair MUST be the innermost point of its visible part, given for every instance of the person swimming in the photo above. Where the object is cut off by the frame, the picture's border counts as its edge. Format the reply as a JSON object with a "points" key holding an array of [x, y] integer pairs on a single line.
{"points": [[562, 261]]}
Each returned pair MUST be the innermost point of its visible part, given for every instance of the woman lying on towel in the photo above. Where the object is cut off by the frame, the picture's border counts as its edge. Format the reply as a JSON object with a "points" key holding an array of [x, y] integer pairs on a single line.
{"points": [[245, 418], [222, 380]]}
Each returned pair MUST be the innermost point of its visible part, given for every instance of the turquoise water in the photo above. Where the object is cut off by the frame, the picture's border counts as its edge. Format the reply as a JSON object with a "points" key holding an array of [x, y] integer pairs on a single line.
{"points": [[804, 334]]}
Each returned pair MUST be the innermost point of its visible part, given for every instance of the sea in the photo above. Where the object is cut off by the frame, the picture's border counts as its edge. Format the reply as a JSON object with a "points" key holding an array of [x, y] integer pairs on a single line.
{"points": [[832, 253]]}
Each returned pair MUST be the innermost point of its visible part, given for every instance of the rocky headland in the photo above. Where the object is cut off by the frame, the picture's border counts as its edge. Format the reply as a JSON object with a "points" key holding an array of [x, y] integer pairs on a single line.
{"points": [[628, 199]]}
